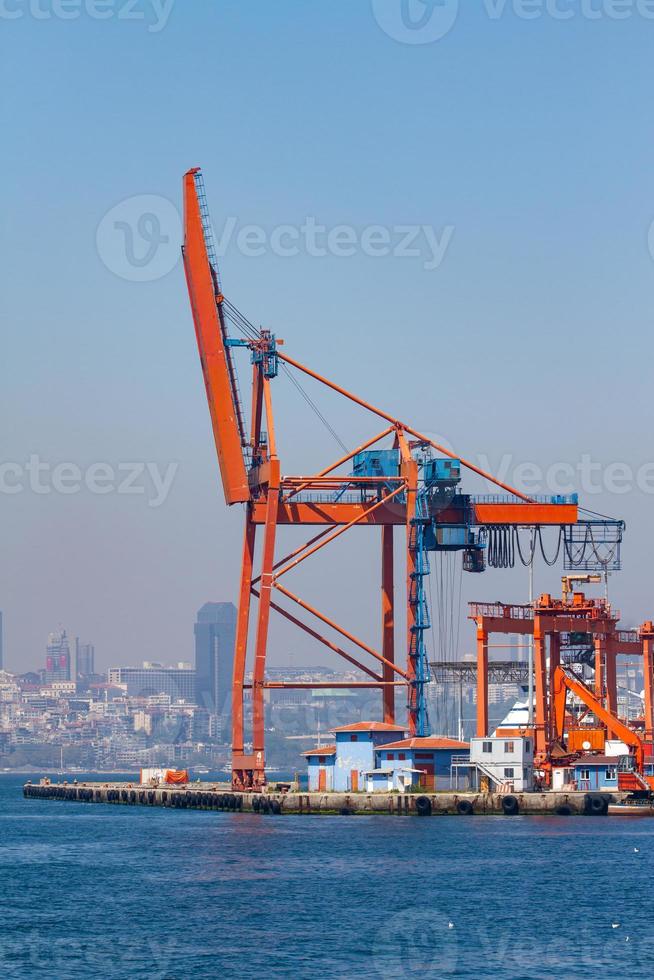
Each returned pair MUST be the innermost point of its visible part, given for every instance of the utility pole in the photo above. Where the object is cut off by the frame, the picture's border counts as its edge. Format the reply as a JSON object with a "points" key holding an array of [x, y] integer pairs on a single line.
{"points": [[460, 709]]}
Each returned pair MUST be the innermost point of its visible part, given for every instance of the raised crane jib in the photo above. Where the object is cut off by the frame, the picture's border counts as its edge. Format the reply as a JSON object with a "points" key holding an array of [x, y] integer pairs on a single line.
{"points": [[564, 680], [208, 316]]}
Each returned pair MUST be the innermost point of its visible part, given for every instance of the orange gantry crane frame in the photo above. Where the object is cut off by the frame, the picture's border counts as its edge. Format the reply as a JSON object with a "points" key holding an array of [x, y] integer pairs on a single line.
{"points": [[251, 475], [546, 620]]}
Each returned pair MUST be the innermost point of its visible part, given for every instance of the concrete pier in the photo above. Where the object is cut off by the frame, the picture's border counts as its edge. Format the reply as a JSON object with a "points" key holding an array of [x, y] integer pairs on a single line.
{"points": [[209, 796]]}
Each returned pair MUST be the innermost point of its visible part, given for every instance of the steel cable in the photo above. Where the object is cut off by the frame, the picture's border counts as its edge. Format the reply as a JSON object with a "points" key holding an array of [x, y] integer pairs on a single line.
{"points": [[244, 326], [530, 559], [542, 547]]}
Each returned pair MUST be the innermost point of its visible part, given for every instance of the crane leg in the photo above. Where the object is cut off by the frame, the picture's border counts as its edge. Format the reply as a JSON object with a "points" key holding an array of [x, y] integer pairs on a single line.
{"points": [[599, 667], [540, 670], [611, 678], [482, 683], [410, 472], [263, 619], [648, 674], [388, 623], [555, 661], [239, 778]]}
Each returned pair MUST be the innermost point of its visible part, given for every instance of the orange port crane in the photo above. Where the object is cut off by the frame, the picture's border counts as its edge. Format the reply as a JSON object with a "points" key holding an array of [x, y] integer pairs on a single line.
{"points": [[565, 680], [414, 486]]}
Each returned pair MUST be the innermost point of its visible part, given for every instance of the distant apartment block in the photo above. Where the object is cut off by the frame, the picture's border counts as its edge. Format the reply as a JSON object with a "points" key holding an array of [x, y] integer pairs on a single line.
{"points": [[153, 678]]}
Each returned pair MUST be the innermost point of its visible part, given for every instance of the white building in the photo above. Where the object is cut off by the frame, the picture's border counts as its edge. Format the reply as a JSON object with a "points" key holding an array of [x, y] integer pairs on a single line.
{"points": [[506, 762]]}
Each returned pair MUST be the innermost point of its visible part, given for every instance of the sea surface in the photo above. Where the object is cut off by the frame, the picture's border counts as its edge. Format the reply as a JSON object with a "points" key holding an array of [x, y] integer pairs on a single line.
{"points": [[91, 890]]}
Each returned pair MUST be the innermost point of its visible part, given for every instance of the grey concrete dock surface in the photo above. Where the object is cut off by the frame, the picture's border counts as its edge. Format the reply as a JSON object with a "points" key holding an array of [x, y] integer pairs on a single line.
{"points": [[213, 796]]}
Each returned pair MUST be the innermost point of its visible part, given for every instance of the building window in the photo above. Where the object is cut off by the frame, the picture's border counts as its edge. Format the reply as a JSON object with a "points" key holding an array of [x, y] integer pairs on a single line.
{"points": [[390, 756], [611, 774], [508, 748], [321, 760], [509, 773], [584, 774], [487, 747], [527, 746], [401, 756], [353, 738]]}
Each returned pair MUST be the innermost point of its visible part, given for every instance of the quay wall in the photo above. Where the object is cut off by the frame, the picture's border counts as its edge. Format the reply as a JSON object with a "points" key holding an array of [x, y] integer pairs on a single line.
{"points": [[210, 797]]}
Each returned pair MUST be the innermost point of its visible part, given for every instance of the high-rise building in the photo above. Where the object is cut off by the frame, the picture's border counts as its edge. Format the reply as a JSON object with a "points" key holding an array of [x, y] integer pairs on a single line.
{"points": [[84, 659], [57, 658], [215, 634]]}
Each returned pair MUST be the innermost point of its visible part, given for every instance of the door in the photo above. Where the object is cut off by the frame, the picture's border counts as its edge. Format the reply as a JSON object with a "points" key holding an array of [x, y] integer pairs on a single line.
{"points": [[322, 780], [427, 778], [354, 780]]}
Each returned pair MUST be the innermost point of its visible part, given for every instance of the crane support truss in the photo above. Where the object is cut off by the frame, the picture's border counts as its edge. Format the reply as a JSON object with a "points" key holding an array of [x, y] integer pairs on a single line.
{"points": [[419, 492], [465, 672]]}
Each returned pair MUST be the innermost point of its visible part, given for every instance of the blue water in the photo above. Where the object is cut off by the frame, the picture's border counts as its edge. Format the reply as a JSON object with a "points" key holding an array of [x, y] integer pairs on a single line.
{"points": [[112, 891]]}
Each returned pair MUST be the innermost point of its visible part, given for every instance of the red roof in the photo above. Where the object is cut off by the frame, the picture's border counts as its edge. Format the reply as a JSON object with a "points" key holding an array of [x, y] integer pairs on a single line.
{"points": [[370, 726], [597, 760], [322, 750], [428, 742]]}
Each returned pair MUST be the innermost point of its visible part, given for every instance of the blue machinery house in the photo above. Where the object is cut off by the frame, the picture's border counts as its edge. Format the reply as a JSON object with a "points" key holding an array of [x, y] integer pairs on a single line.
{"points": [[375, 757]]}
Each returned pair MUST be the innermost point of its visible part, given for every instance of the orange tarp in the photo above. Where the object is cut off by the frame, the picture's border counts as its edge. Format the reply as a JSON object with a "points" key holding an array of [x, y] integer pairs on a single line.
{"points": [[176, 776]]}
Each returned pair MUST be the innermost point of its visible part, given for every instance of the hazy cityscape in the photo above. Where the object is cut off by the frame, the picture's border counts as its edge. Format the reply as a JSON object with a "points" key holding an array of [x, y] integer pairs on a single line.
{"points": [[67, 715]]}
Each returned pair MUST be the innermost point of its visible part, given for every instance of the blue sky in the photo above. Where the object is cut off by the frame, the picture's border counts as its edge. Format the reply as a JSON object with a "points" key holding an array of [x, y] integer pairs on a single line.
{"points": [[529, 139]]}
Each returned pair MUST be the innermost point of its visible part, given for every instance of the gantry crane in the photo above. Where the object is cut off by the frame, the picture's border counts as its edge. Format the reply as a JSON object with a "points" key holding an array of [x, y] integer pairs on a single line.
{"points": [[414, 485]]}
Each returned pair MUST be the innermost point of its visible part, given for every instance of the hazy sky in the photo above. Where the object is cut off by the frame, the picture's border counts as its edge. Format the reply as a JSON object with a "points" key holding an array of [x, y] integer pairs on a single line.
{"points": [[517, 151]]}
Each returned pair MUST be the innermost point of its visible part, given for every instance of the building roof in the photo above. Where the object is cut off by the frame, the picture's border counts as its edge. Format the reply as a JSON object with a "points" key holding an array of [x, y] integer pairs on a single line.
{"points": [[370, 726], [322, 750], [597, 760], [429, 742], [389, 772]]}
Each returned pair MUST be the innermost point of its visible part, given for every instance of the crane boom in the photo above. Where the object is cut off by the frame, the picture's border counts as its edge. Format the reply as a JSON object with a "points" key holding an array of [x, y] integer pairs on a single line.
{"points": [[217, 367], [564, 681]]}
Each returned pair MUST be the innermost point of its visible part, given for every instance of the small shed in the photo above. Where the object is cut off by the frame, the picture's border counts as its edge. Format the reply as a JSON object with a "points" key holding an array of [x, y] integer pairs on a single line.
{"points": [[320, 766], [386, 780], [596, 772]]}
